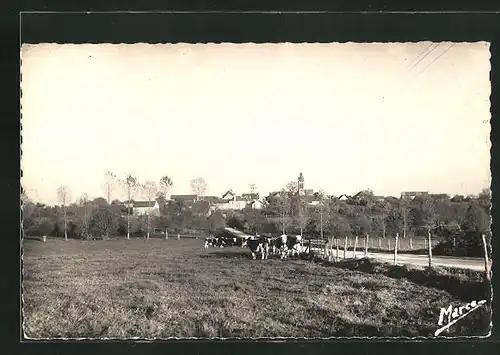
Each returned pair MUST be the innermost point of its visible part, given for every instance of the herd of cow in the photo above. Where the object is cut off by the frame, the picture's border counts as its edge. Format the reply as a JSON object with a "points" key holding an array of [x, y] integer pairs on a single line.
{"points": [[284, 246]]}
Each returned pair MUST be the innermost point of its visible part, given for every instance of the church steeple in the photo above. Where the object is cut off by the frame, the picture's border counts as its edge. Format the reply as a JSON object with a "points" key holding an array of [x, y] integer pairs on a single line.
{"points": [[300, 185]]}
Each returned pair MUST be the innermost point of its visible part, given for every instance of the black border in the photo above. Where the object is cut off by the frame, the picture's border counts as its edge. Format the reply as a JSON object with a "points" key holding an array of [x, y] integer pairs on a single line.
{"points": [[232, 27]]}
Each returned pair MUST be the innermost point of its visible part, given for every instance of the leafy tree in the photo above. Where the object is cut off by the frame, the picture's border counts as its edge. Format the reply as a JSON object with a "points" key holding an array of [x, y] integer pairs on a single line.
{"points": [[236, 221], [104, 223], [384, 210], [29, 211], [338, 225], [476, 219], [360, 225], [216, 221], [100, 202], [395, 222]]}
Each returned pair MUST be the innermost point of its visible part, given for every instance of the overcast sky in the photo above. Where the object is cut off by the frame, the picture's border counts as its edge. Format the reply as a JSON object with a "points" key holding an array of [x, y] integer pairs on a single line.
{"points": [[348, 116]]}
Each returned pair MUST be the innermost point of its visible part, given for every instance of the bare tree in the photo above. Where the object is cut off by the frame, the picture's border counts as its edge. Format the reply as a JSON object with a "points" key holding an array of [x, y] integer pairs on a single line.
{"points": [[131, 185], [108, 185], [150, 189], [198, 186], [404, 210], [284, 206], [292, 187], [63, 195], [86, 215], [382, 218], [301, 214], [429, 214], [165, 185], [322, 200]]}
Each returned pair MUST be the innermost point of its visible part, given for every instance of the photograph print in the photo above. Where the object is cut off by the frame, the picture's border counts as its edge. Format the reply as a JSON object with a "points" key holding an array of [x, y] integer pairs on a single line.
{"points": [[243, 191]]}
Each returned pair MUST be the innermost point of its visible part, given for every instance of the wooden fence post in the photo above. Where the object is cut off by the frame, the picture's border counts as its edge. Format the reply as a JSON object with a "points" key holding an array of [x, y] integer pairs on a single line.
{"points": [[396, 249], [350, 245], [166, 234], [355, 245], [337, 246], [44, 238], [486, 261], [330, 255], [411, 244], [178, 236], [325, 253], [345, 248], [366, 245], [429, 244]]}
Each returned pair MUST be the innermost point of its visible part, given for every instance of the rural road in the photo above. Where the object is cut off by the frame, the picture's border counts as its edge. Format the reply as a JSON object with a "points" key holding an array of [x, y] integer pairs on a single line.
{"points": [[423, 260]]}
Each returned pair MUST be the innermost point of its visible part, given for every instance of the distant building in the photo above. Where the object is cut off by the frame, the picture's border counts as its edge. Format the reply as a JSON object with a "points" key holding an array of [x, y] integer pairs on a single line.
{"points": [[231, 201], [344, 198], [410, 195], [211, 199], [300, 185], [140, 208], [184, 198], [250, 196], [230, 205], [256, 204], [229, 195]]}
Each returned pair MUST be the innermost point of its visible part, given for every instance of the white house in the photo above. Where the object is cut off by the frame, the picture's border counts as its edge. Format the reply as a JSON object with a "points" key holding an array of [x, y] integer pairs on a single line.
{"points": [[256, 204], [231, 205], [140, 208]]}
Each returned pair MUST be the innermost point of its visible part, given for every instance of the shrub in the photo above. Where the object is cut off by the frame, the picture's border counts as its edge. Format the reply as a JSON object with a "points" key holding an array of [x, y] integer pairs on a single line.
{"points": [[466, 244], [103, 223]]}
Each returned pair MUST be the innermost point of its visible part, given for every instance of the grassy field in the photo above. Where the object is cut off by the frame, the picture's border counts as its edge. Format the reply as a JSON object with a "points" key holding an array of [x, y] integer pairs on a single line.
{"points": [[176, 288]]}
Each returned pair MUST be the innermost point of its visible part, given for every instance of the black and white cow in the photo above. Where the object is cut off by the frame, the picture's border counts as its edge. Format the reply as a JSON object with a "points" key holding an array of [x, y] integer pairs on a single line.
{"points": [[276, 245], [294, 244], [258, 244], [209, 242], [214, 242], [287, 245], [229, 242]]}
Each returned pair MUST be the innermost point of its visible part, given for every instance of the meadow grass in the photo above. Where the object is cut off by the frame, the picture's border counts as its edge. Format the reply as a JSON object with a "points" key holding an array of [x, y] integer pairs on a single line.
{"points": [[176, 288]]}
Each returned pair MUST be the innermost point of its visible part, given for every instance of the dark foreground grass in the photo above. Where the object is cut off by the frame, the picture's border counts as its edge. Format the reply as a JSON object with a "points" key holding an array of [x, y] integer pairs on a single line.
{"points": [[176, 288]]}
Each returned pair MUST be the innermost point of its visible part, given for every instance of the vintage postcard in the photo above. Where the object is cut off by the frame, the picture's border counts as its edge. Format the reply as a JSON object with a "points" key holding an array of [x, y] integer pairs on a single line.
{"points": [[283, 190]]}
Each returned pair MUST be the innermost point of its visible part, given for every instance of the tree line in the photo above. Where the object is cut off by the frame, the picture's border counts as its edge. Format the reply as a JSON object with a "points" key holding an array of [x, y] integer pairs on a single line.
{"points": [[287, 212], [105, 216], [283, 211]]}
